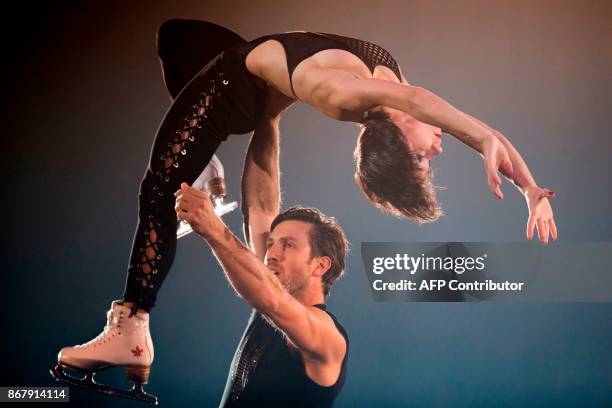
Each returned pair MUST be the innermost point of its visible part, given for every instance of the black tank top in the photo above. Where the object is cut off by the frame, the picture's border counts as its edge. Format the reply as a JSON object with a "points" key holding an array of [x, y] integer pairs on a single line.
{"points": [[265, 372], [300, 45]]}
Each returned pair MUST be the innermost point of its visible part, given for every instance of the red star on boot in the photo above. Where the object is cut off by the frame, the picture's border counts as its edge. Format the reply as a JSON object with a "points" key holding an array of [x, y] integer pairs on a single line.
{"points": [[137, 351]]}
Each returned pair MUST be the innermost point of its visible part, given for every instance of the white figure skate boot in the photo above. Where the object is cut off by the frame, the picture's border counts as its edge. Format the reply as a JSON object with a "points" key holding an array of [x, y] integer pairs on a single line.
{"points": [[125, 341], [211, 180]]}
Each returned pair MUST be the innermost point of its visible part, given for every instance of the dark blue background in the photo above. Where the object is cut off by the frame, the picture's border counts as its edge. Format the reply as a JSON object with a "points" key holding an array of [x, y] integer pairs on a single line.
{"points": [[83, 99]]}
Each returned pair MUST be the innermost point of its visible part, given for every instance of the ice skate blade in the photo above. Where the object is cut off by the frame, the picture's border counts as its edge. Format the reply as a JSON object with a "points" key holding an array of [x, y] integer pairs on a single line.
{"points": [[184, 229], [222, 208], [136, 393]]}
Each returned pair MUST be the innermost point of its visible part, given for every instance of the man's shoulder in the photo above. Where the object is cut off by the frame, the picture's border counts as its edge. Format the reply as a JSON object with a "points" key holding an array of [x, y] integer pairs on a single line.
{"points": [[332, 320]]}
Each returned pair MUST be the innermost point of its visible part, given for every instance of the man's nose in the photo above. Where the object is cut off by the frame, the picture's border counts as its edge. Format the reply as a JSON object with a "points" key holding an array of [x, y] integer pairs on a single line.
{"points": [[273, 253]]}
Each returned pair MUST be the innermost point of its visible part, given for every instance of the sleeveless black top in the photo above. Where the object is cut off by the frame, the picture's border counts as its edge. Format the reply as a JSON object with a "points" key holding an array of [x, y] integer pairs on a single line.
{"points": [[300, 45], [265, 372]]}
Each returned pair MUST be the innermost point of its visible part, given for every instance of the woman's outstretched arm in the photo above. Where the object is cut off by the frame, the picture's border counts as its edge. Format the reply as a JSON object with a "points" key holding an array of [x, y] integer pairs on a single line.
{"points": [[361, 95], [340, 94], [540, 211], [520, 176]]}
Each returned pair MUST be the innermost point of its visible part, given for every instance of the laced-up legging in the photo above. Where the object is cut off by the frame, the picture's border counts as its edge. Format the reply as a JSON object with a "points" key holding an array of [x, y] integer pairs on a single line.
{"points": [[183, 146]]}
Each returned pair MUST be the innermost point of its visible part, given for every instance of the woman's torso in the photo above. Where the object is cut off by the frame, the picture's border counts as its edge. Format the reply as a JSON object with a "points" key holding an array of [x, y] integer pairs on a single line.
{"points": [[269, 60]]}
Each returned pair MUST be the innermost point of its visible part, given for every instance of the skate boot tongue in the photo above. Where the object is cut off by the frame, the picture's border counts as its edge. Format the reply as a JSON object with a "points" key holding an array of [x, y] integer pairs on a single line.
{"points": [[117, 307]]}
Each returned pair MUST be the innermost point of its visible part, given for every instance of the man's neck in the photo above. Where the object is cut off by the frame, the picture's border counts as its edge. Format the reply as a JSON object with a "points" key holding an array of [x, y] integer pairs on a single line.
{"points": [[310, 296]]}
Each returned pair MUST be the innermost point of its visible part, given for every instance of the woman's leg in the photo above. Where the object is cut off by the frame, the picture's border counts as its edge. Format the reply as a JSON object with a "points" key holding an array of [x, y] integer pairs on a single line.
{"points": [[185, 46], [184, 144], [183, 147]]}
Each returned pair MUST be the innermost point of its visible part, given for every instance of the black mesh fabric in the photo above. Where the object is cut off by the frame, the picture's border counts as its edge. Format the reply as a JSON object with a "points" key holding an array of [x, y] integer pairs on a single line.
{"points": [[257, 337], [266, 372], [221, 99], [370, 53]]}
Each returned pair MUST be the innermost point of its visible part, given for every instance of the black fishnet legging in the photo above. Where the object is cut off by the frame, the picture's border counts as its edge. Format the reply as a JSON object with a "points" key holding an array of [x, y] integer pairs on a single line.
{"points": [[183, 146]]}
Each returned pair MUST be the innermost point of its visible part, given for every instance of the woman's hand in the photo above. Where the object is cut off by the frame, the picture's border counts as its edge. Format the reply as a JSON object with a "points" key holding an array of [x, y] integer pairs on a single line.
{"points": [[496, 158], [540, 213]]}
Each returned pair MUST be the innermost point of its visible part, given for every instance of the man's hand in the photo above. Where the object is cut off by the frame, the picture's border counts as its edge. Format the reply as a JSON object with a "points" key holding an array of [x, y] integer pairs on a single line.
{"points": [[496, 158], [540, 213], [194, 206]]}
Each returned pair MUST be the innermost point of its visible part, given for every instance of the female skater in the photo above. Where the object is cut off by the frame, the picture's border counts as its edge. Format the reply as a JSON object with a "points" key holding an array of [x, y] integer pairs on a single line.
{"points": [[243, 85]]}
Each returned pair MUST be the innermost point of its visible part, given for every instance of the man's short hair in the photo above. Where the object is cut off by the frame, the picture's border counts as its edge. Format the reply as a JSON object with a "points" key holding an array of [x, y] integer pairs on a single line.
{"points": [[326, 238], [387, 172]]}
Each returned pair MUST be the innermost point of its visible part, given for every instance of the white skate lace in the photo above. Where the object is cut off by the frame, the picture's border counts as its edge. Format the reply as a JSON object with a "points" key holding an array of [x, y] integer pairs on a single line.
{"points": [[112, 321]]}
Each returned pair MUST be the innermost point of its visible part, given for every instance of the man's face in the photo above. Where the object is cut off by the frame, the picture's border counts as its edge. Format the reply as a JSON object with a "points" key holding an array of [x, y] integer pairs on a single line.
{"points": [[288, 254]]}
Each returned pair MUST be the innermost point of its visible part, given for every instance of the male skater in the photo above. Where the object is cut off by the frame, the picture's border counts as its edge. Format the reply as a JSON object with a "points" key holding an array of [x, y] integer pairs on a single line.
{"points": [[293, 352]]}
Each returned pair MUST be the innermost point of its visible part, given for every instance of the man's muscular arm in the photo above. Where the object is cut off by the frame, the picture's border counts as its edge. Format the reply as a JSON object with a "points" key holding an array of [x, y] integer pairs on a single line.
{"points": [[261, 175], [260, 186], [311, 330]]}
